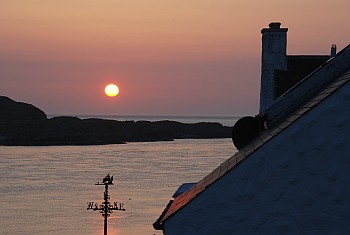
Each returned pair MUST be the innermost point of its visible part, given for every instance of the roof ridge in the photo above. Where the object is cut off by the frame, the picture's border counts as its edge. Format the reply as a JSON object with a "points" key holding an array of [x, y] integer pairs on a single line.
{"points": [[308, 86]]}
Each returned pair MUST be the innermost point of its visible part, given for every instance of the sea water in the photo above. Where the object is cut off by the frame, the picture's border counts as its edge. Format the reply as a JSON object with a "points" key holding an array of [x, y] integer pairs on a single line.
{"points": [[45, 190]]}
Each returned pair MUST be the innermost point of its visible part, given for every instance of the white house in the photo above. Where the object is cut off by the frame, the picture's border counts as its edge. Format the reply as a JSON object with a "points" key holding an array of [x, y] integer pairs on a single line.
{"points": [[291, 178]]}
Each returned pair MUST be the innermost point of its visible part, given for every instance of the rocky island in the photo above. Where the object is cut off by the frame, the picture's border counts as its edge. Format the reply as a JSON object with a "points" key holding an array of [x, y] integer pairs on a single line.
{"points": [[23, 124]]}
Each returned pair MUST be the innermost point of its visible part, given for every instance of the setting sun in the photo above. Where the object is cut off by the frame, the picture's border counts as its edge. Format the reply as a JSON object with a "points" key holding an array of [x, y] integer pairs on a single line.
{"points": [[111, 90]]}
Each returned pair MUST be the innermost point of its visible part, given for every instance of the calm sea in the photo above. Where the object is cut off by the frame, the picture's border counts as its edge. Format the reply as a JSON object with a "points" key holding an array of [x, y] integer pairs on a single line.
{"points": [[45, 190]]}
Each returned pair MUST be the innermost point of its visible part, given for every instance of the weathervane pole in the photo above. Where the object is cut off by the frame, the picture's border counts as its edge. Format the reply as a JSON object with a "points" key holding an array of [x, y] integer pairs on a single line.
{"points": [[105, 214], [106, 209]]}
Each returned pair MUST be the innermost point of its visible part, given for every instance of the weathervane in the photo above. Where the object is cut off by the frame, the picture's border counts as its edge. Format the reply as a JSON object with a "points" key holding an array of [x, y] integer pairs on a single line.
{"points": [[106, 208]]}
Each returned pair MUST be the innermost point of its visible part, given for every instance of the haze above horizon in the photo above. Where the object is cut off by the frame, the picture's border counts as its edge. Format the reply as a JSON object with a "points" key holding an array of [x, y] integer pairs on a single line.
{"points": [[167, 57]]}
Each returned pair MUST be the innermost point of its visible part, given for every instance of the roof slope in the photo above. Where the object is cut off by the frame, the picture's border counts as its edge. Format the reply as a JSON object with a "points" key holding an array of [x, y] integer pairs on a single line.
{"points": [[301, 98]]}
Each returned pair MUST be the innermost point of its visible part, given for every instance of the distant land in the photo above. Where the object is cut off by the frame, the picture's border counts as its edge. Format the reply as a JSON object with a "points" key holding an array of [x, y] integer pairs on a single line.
{"points": [[23, 124]]}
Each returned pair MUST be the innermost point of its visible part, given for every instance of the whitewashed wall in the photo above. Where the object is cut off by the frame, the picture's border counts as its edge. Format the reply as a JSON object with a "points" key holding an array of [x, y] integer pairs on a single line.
{"points": [[298, 183]]}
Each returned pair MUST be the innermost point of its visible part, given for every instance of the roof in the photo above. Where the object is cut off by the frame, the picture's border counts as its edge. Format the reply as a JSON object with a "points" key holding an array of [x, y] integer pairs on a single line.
{"points": [[298, 67], [315, 82], [283, 112]]}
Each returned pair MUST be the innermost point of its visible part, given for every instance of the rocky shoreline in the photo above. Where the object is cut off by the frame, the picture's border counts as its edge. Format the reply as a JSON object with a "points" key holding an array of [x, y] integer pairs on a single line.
{"points": [[24, 130]]}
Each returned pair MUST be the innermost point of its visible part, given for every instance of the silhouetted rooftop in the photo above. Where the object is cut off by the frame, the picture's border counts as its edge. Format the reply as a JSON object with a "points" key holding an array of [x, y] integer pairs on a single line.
{"points": [[283, 112], [299, 66]]}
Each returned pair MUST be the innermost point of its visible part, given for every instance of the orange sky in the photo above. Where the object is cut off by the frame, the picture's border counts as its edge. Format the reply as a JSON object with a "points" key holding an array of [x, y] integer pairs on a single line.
{"points": [[167, 56]]}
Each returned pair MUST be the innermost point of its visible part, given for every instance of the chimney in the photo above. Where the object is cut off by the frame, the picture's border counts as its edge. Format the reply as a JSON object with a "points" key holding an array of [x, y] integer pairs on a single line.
{"points": [[274, 57], [333, 50]]}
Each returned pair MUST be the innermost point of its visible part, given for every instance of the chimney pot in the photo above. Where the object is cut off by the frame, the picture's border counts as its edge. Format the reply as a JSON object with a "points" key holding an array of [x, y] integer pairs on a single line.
{"points": [[275, 25], [333, 50]]}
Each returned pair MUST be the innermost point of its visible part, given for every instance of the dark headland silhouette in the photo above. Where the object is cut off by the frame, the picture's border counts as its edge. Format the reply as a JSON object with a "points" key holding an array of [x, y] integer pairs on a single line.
{"points": [[23, 124]]}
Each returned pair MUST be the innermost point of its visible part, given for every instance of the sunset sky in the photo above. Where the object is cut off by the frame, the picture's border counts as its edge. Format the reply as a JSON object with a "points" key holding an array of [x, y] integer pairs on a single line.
{"points": [[168, 57]]}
